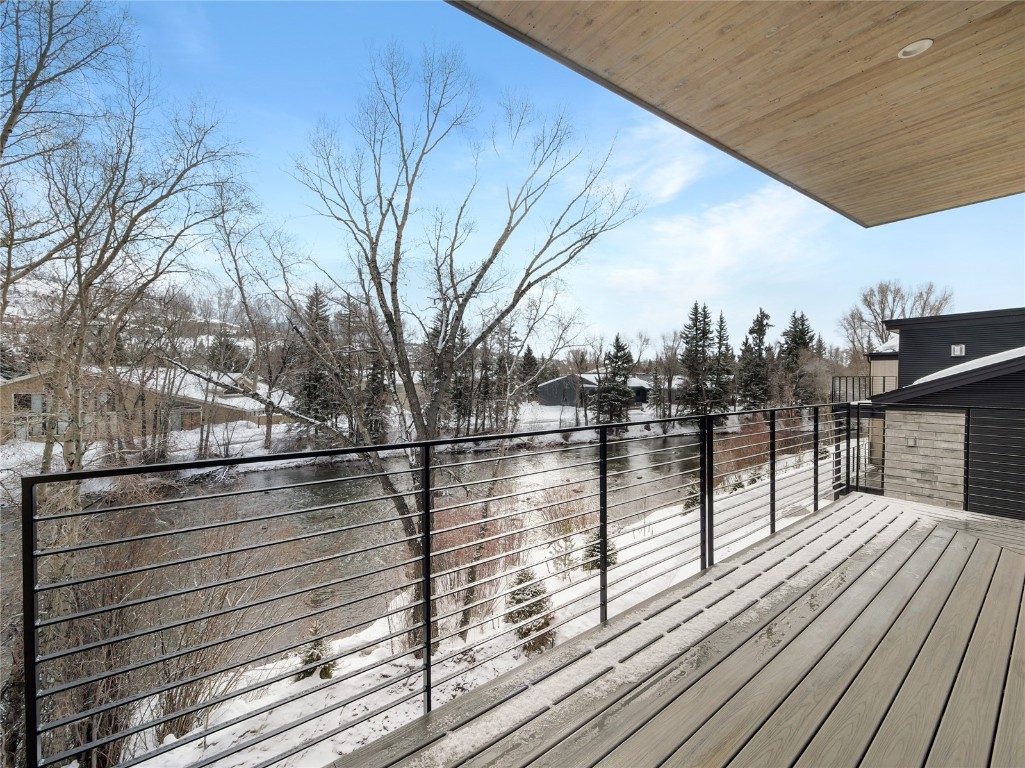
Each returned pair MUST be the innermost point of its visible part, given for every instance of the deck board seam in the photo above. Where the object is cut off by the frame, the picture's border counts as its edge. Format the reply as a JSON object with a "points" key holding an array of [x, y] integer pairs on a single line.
{"points": [[821, 652], [694, 680]]}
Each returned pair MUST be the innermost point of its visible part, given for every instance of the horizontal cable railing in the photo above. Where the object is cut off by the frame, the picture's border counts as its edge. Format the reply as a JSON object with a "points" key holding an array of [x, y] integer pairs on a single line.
{"points": [[286, 615]]}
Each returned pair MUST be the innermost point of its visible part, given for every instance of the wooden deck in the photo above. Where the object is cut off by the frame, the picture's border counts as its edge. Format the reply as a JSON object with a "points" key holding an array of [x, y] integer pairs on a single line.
{"points": [[875, 632]]}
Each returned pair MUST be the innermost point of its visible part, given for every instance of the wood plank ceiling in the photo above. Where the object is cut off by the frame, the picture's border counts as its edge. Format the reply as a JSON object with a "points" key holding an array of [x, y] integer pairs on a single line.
{"points": [[813, 93]]}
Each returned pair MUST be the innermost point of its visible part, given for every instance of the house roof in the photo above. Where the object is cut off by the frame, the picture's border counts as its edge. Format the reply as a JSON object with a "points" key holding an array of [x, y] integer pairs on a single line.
{"points": [[972, 365], [889, 349], [814, 94], [982, 369], [590, 379], [960, 318]]}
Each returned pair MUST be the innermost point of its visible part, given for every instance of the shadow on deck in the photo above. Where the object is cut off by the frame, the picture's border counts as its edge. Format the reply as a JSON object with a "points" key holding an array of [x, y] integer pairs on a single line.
{"points": [[874, 632]]}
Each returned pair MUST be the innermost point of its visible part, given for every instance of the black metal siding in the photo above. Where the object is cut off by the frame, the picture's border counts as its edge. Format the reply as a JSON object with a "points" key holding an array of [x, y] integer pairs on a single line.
{"points": [[925, 350], [996, 463], [1000, 391]]}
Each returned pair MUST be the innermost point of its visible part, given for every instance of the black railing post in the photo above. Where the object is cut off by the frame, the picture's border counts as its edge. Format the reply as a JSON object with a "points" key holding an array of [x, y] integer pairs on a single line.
{"points": [[772, 471], [857, 473], [847, 484], [703, 459], [30, 613], [603, 523], [710, 487], [425, 565], [815, 458], [967, 453]]}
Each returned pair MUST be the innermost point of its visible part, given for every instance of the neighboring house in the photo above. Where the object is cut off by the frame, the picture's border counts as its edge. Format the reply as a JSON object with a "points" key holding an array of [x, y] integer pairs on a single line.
{"points": [[882, 368], [962, 375], [930, 344], [26, 403], [573, 389]]}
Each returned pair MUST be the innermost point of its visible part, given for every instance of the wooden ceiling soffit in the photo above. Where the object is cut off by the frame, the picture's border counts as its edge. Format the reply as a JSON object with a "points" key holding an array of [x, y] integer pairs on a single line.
{"points": [[813, 93]]}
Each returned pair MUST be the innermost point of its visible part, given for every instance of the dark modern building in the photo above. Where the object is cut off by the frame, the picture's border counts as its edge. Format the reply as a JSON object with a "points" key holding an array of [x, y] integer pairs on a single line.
{"points": [[964, 375]]}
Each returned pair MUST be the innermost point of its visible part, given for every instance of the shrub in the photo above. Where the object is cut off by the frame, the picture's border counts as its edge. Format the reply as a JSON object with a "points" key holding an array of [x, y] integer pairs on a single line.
{"points": [[313, 653], [592, 553], [530, 606]]}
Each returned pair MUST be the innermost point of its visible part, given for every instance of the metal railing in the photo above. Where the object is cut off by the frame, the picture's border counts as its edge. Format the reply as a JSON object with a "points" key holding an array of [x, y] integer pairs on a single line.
{"points": [[296, 612], [846, 389], [283, 616]]}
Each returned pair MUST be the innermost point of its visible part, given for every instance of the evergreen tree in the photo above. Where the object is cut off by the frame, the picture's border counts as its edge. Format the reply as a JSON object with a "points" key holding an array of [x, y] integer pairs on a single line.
{"points": [[753, 365], [373, 403], [696, 360], [722, 369], [657, 400], [225, 355], [528, 371], [316, 651], [613, 398], [795, 352], [592, 553], [314, 394], [530, 605]]}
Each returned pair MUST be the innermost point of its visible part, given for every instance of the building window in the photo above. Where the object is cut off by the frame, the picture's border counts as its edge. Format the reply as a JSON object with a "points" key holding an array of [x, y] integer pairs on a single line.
{"points": [[957, 350], [22, 402]]}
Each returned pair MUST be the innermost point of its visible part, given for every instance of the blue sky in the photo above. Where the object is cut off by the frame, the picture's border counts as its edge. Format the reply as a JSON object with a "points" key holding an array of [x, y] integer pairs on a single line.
{"points": [[712, 229]]}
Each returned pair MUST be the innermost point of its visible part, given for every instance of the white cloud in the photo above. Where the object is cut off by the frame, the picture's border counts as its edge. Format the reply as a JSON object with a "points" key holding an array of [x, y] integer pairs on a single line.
{"points": [[736, 257], [657, 160]]}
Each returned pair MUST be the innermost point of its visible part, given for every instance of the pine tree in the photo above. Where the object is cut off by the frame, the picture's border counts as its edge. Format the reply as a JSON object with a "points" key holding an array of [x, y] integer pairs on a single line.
{"points": [[373, 403], [530, 605], [613, 398], [225, 355], [795, 350], [528, 372], [696, 359], [592, 553], [753, 365], [314, 395], [311, 654], [722, 369]]}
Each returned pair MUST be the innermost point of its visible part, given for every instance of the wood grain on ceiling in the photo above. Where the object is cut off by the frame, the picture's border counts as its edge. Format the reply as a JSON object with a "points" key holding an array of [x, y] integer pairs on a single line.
{"points": [[813, 93]]}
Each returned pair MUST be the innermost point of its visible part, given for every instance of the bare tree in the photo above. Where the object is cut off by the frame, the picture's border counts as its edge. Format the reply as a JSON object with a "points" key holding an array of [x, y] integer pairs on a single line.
{"points": [[373, 189], [50, 48], [60, 61], [129, 202], [411, 115], [863, 325]]}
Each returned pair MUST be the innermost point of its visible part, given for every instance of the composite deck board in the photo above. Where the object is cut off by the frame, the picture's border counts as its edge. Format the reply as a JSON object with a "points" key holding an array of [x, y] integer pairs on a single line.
{"points": [[907, 731], [806, 671], [587, 719], [1009, 748], [968, 727], [847, 731], [856, 515], [856, 636], [782, 737], [811, 622], [609, 728]]}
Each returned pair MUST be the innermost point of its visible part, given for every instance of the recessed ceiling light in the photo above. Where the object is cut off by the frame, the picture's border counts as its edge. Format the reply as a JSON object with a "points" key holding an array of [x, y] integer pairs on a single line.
{"points": [[915, 48]]}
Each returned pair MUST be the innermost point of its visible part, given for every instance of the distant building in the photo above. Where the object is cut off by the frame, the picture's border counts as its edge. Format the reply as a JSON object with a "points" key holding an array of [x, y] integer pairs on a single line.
{"points": [[185, 401], [573, 389]]}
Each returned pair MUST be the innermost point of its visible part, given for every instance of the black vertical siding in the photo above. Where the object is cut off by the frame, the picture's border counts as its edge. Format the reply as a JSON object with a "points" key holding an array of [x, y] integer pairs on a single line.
{"points": [[1007, 391], [996, 462], [925, 349]]}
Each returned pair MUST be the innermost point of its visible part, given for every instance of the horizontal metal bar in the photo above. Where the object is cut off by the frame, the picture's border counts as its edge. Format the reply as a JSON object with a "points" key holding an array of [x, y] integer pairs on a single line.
{"points": [[234, 580], [219, 524]]}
